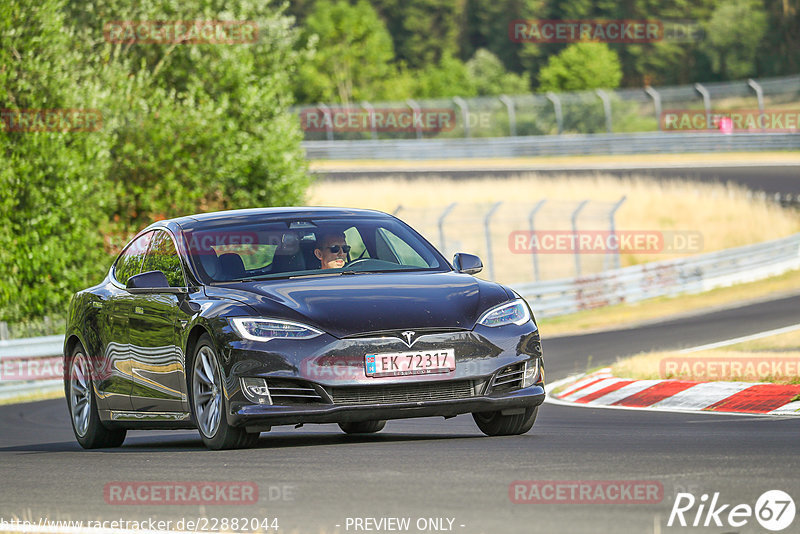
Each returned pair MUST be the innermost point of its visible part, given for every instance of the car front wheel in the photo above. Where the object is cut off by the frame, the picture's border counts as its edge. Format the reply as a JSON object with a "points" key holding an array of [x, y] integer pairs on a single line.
{"points": [[86, 424], [497, 424], [208, 402]]}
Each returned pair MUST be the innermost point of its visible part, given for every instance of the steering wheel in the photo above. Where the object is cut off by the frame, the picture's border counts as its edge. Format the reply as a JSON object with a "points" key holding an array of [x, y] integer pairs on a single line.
{"points": [[357, 261]]}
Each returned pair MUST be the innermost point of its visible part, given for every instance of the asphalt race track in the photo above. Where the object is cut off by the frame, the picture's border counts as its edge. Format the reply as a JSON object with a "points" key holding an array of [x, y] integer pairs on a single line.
{"points": [[315, 478]]}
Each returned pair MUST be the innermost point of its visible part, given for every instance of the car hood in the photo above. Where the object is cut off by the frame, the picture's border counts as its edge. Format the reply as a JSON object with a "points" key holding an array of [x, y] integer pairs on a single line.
{"points": [[355, 304]]}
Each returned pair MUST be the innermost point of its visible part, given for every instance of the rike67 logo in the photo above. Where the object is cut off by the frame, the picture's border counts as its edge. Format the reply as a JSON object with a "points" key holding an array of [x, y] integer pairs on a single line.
{"points": [[774, 510]]}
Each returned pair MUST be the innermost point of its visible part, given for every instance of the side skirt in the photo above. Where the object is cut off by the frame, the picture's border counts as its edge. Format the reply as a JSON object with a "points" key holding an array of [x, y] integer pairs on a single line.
{"points": [[146, 420]]}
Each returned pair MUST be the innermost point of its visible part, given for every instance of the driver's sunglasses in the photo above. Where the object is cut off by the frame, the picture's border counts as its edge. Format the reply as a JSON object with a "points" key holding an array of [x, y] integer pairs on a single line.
{"points": [[335, 249]]}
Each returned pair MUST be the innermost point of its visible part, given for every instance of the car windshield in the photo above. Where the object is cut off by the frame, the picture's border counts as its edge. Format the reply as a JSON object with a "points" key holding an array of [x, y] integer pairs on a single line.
{"points": [[296, 248]]}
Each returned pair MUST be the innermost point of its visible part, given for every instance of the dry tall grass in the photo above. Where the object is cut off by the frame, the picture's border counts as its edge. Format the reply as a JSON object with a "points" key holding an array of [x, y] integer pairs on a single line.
{"points": [[727, 215], [773, 359]]}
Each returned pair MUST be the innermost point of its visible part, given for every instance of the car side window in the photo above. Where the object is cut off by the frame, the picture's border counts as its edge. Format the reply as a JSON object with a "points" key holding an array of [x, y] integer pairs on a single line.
{"points": [[162, 256], [357, 247], [129, 262], [390, 247]]}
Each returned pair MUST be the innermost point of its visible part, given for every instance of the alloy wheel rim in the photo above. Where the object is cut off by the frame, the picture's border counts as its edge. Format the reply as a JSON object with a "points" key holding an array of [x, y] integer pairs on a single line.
{"points": [[80, 395], [207, 392]]}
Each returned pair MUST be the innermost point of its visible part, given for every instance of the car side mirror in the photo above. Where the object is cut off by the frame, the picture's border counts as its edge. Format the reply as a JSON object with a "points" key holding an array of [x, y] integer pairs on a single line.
{"points": [[151, 282], [467, 263]]}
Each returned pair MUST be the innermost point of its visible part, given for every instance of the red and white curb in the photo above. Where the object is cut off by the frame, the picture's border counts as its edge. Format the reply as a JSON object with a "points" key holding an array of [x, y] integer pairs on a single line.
{"points": [[603, 390]]}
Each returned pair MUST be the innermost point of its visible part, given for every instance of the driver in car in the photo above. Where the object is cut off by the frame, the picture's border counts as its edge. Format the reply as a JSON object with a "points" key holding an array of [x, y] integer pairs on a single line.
{"points": [[332, 250]]}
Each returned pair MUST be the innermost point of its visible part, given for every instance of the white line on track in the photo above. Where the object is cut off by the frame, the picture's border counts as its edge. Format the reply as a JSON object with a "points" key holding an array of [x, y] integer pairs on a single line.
{"points": [[742, 339]]}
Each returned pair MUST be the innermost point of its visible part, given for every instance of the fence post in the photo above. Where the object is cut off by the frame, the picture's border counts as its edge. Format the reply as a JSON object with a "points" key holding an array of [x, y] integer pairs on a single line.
{"points": [[656, 96], [4, 334], [512, 116], [575, 239], [606, 108], [486, 220], [416, 113], [706, 102], [440, 224], [552, 97], [464, 107], [612, 227], [371, 110], [759, 96], [532, 229], [326, 111]]}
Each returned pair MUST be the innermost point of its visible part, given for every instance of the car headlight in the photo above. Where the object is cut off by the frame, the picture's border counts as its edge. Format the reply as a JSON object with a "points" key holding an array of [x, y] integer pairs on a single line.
{"points": [[267, 329], [514, 312]]}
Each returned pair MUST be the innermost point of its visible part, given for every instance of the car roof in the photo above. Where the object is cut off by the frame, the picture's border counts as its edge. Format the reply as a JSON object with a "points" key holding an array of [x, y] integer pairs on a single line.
{"points": [[254, 215]]}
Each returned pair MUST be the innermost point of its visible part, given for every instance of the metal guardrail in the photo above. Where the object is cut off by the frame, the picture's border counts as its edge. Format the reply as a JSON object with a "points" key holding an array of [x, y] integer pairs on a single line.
{"points": [[31, 365], [27, 357], [665, 278], [583, 112], [550, 145]]}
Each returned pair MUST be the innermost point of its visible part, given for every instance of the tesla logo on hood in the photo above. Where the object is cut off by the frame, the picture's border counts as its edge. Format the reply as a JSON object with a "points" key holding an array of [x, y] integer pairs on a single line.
{"points": [[408, 336]]}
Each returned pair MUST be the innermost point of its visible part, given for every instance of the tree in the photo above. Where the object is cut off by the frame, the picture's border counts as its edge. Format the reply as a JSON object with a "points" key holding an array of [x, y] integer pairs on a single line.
{"points": [[206, 126], [353, 57], [424, 31], [735, 32], [581, 66], [486, 26], [446, 79], [53, 191], [490, 77], [185, 128]]}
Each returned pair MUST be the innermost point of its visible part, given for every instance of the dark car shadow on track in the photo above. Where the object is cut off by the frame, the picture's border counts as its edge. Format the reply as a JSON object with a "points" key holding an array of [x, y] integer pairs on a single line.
{"points": [[286, 440], [267, 441], [57, 446]]}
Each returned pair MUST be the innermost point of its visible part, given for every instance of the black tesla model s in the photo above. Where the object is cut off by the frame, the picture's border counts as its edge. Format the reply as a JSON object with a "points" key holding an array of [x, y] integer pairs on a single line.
{"points": [[237, 321]]}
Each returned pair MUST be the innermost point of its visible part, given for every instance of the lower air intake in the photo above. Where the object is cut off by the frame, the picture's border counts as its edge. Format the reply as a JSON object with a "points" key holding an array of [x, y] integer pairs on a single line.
{"points": [[291, 392], [396, 394], [509, 378]]}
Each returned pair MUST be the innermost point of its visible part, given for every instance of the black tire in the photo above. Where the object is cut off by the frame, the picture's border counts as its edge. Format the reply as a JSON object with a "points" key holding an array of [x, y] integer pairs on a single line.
{"points": [[362, 427], [210, 418], [497, 424], [82, 405]]}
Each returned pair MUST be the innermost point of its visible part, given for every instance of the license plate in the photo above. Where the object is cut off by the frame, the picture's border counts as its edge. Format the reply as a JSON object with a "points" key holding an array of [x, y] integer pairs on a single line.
{"points": [[411, 363]]}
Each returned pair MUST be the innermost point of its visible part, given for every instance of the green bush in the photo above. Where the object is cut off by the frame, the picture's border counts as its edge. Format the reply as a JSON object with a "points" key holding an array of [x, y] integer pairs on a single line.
{"points": [[185, 128]]}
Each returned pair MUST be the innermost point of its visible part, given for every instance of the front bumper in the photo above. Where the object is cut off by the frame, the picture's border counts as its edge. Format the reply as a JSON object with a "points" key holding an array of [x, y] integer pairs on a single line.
{"points": [[261, 417], [487, 377]]}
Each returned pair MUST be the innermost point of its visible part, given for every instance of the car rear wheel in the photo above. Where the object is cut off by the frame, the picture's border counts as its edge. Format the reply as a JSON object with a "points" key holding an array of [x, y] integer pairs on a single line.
{"points": [[86, 424], [208, 402], [497, 424], [362, 427]]}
